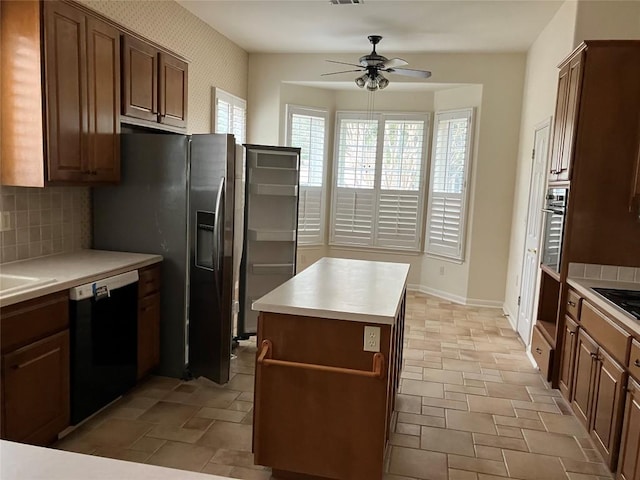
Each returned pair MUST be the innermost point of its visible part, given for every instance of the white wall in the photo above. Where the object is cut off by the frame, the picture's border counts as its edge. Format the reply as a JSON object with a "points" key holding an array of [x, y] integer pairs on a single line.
{"points": [[500, 77], [552, 45], [607, 20], [573, 23]]}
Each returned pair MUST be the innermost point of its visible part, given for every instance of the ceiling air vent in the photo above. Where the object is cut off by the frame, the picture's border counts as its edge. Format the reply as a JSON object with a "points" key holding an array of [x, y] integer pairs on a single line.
{"points": [[346, 2]]}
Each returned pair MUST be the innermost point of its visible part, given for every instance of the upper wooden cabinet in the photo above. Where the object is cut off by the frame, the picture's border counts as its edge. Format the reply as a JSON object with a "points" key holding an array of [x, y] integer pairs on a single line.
{"points": [[154, 84], [82, 72], [65, 131], [569, 84]]}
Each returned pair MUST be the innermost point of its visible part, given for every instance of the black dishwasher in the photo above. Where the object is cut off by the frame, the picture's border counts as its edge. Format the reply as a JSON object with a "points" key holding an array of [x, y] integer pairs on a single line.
{"points": [[104, 333]]}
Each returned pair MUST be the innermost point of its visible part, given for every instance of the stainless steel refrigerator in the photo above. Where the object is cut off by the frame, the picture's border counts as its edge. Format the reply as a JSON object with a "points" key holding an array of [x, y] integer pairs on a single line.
{"points": [[176, 199]]}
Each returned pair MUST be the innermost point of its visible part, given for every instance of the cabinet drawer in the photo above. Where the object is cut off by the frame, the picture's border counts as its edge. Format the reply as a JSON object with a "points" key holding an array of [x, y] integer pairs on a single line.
{"points": [[634, 360], [573, 304], [608, 335], [542, 353], [149, 281], [28, 321]]}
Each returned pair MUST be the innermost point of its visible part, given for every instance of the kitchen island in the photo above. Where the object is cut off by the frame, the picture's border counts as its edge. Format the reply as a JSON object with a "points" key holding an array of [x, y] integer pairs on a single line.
{"points": [[328, 368]]}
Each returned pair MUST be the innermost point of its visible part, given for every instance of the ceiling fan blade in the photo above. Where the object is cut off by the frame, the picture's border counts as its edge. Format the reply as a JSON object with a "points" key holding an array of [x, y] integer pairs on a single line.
{"points": [[410, 72], [393, 63], [345, 63], [335, 73]]}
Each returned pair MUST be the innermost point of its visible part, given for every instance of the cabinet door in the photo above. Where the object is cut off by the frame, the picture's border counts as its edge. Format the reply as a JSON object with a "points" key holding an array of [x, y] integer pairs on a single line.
{"points": [[608, 398], [36, 390], [103, 49], [571, 117], [148, 334], [584, 376], [139, 79], [173, 83], [559, 122], [567, 360], [629, 464], [66, 99]]}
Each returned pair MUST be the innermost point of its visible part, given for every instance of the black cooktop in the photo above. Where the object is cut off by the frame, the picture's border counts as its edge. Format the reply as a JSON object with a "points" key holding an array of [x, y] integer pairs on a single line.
{"points": [[628, 300]]}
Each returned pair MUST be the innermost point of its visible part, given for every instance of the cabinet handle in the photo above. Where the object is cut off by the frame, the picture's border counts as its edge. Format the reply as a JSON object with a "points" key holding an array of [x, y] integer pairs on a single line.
{"points": [[86, 172], [572, 333], [94, 172], [573, 304], [538, 350], [264, 359], [637, 363], [34, 360], [594, 355]]}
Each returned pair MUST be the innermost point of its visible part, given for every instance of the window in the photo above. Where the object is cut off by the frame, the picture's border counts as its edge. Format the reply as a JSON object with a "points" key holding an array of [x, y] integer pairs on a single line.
{"points": [[450, 158], [229, 115], [306, 129], [379, 180]]}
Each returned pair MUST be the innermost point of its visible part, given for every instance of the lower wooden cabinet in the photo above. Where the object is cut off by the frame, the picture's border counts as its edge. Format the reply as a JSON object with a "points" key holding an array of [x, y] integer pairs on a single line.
{"points": [[542, 353], [567, 359], [36, 390], [608, 401], [584, 374], [148, 319], [34, 378], [629, 463]]}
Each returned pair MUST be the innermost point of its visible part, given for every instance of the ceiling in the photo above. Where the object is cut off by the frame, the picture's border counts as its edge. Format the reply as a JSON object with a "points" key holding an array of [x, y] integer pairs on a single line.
{"points": [[301, 26]]}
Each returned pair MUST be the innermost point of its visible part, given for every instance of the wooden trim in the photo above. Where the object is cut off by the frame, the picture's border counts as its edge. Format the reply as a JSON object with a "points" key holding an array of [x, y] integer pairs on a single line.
{"points": [[264, 358]]}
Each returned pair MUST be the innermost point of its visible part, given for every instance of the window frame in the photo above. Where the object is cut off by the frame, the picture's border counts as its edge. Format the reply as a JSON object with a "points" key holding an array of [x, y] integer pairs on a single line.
{"points": [[458, 113], [374, 242], [234, 101], [292, 109]]}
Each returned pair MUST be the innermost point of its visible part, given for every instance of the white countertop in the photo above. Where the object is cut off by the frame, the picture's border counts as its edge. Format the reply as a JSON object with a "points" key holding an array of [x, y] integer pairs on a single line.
{"points": [[584, 287], [341, 289], [71, 269], [26, 462]]}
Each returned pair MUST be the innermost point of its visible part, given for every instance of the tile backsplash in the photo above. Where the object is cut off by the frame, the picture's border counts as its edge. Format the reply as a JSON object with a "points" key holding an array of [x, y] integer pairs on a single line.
{"points": [[604, 272], [43, 221]]}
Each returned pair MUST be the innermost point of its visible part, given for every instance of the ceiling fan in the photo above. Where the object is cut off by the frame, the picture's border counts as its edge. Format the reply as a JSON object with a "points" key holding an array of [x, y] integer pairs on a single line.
{"points": [[373, 64]]}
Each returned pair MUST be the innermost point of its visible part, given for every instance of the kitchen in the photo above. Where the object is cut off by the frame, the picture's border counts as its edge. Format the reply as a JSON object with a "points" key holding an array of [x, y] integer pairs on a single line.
{"points": [[512, 96]]}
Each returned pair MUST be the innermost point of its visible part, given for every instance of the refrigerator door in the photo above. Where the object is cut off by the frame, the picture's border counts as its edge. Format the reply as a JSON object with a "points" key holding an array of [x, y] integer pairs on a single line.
{"points": [[211, 205], [147, 213]]}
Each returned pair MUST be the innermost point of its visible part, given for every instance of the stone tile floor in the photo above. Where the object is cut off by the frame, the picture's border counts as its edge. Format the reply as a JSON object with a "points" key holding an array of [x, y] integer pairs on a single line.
{"points": [[470, 407]]}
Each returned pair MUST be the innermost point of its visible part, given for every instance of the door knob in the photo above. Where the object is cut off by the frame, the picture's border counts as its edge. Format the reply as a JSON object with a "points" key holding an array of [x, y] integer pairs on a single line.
{"points": [[532, 250]]}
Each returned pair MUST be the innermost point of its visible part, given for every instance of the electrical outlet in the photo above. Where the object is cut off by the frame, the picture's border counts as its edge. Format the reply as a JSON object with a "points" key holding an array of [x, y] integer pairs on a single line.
{"points": [[442, 270], [371, 339]]}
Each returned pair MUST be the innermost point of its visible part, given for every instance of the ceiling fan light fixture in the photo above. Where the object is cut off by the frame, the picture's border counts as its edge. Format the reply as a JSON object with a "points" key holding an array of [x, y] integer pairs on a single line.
{"points": [[360, 81], [381, 81]]}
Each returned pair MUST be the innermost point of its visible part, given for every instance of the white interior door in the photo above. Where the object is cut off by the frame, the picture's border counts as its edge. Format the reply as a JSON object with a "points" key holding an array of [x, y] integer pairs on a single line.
{"points": [[529, 277]]}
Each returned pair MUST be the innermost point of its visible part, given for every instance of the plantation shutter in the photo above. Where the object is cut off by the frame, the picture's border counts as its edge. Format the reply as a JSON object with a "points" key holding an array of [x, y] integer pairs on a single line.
{"points": [[451, 153], [230, 115], [354, 197], [307, 130], [401, 186]]}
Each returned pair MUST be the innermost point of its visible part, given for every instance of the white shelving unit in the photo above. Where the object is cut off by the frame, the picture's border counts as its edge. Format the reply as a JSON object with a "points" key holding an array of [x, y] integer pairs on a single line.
{"points": [[270, 227]]}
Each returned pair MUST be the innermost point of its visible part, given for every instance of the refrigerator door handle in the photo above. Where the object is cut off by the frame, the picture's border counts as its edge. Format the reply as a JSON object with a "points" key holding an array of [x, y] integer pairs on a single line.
{"points": [[216, 227]]}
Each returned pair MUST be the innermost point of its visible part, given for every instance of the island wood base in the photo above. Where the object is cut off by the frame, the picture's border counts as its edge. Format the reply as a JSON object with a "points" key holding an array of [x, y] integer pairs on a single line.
{"points": [[314, 423]]}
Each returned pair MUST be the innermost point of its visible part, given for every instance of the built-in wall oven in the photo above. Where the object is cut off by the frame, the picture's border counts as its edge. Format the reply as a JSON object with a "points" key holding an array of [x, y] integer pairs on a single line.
{"points": [[554, 220]]}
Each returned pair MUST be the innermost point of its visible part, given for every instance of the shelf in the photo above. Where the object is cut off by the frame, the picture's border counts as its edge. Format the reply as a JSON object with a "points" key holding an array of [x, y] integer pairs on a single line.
{"points": [[553, 274], [274, 189], [275, 162], [272, 269], [272, 235]]}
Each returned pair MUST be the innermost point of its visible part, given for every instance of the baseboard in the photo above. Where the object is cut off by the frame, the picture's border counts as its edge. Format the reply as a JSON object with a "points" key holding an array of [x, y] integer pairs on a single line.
{"points": [[470, 302]]}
